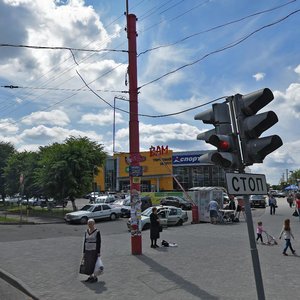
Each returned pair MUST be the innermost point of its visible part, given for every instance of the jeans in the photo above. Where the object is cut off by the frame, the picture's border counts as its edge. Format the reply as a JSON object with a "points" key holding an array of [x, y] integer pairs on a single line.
{"points": [[287, 245]]}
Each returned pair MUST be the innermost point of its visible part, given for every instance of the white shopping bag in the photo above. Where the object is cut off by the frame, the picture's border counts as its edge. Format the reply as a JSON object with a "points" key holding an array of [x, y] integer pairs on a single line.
{"points": [[98, 267]]}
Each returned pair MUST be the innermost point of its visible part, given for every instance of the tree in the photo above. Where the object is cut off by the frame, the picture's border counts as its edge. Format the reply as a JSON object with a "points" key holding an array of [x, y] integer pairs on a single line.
{"points": [[66, 170], [19, 173], [6, 150]]}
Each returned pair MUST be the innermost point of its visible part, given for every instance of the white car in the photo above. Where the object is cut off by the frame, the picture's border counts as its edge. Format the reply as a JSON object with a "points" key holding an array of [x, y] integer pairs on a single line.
{"points": [[168, 215], [105, 199], [94, 211]]}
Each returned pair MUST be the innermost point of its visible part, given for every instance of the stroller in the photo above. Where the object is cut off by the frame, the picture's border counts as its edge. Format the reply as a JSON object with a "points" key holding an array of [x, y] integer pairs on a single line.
{"points": [[271, 239]]}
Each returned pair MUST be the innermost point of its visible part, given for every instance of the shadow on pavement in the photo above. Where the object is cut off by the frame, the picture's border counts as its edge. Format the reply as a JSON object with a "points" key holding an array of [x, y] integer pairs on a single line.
{"points": [[178, 280], [98, 287]]}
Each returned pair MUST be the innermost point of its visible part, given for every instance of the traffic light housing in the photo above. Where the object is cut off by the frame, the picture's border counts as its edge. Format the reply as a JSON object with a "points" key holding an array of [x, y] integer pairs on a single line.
{"points": [[251, 125], [222, 137]]}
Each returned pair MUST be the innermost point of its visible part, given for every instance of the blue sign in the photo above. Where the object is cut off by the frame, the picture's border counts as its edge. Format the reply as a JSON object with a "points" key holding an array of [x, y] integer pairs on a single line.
{"points": [[135, 171], [186, 159]]}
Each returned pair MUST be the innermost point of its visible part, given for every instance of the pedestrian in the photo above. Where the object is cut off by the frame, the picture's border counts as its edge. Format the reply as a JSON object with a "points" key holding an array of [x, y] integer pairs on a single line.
{"points": [[259, 231], [298, 204], [272, 204], [287, 233], [154, 228], [290, 200], [91, 250], [213, 208], [231, 204], [240, 207]]}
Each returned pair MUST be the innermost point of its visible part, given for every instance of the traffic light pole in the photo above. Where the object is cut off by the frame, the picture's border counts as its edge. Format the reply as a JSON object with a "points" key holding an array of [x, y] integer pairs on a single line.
{"points": [[253, 249], [254, 253]]}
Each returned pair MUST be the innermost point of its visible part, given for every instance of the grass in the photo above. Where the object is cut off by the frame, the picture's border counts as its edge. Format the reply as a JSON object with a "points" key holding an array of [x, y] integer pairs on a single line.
{"points": [[36, 211], [8, 220]]}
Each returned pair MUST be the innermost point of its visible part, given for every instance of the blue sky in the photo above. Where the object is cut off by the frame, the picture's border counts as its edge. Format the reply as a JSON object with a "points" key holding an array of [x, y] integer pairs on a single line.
{"points": [[53, 103]]}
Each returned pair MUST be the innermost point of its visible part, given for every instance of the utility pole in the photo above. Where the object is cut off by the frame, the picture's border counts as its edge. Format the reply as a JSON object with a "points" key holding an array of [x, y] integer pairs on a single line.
{"points": [[135, 171]]}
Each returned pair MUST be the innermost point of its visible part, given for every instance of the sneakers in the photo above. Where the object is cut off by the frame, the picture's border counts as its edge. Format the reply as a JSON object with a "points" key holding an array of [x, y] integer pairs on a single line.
{"points": [[285, 254], [294, 252], [152, 246], [88, 279]]}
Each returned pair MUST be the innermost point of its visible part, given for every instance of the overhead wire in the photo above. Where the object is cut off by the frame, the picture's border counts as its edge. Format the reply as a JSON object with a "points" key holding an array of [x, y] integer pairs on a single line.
{"points": [[214, 28], [228, 46]]}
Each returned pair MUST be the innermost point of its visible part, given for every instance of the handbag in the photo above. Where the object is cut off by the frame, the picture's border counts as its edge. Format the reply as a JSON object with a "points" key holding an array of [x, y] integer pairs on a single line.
{"points": [[99, 267], [295, 213], [82, 267]]}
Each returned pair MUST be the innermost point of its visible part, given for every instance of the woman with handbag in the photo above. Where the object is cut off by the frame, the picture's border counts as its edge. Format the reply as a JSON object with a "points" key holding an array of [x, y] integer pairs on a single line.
{"points": [[154, 228], [91, 251]]}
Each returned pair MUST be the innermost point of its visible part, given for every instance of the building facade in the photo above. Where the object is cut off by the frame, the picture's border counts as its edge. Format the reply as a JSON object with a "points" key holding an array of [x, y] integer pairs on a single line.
{"points": [[168, 171]]}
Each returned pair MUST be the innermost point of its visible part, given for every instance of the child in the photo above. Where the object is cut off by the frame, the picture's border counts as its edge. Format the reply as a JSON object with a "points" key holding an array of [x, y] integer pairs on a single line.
{"points": [[287, 232], [259, 231]]}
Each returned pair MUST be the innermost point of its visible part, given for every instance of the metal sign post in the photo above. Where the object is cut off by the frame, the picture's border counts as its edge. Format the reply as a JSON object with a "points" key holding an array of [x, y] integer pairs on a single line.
{"points": [[244, 185]]}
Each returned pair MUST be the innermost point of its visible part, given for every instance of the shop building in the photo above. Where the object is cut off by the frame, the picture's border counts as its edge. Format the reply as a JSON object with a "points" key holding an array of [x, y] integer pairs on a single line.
{"points": [[164, 172]]}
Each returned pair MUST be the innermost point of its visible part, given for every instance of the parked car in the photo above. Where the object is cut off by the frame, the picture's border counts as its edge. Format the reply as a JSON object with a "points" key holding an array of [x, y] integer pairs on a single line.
{"points": [[176, 201], [31, 202], [92, 196], [105, 199], [94, 211], [257, 201], [169, 215], [124, 205]]}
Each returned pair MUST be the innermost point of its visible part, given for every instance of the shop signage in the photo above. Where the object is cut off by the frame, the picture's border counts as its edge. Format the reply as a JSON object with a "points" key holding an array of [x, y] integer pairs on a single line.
{"points": [[186, 159], [158, 150]]}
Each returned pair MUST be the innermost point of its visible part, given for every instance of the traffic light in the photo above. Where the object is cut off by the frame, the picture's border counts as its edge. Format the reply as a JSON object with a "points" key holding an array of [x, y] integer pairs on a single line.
{"points": [[251, 126], [227, 154]]}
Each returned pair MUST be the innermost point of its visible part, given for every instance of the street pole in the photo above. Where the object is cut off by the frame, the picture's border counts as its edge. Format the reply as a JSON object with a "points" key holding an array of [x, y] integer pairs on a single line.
{"points": [[253, 249], [134, 142], [254, 253]]}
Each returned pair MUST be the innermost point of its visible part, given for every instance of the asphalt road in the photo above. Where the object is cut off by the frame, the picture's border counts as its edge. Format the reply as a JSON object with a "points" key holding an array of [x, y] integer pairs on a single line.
{"points": [[211, 261]]}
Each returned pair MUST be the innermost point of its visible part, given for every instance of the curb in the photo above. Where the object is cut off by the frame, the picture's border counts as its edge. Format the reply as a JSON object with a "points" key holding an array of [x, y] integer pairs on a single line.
{"points": [[18, 284]]}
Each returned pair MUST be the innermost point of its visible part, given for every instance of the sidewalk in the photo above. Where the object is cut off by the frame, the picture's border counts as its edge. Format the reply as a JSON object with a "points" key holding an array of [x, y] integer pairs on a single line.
{"points": [[210, 262]]}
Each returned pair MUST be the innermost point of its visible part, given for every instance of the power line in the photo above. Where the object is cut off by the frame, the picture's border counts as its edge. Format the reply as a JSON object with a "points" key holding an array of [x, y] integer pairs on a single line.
{"points": [[63, 48], [231, 45], [178, 16], [213, 28], [146, 115]]}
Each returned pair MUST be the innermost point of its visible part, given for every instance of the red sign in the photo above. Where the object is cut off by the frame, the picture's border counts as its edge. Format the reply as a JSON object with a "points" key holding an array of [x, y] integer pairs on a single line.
{"points": [[159, 150]]}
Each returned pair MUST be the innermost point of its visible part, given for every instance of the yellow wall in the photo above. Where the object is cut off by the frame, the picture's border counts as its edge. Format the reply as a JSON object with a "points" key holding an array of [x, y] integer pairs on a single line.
{"points": [[152, 165], [99, 179]]}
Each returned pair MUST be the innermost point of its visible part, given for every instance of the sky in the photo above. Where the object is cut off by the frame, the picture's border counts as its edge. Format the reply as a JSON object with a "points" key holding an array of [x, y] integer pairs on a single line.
{"points": [[189, 53]]}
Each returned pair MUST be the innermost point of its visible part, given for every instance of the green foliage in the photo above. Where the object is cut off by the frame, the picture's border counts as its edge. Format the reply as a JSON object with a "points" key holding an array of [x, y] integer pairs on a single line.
{"points": [[56, 171], [21, 164], [66, 170], [6, 150]]}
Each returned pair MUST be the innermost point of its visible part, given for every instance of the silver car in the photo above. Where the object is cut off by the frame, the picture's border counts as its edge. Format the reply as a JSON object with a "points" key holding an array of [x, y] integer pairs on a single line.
{"points": [[94, 211], [168, 215]]}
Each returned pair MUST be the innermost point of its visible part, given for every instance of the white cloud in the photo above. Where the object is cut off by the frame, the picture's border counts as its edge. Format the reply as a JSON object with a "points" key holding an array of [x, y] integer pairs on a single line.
{"points": [[104, 117], [48, 135], [259, 76], [53, 117], [8, 126], [297, 69]]}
